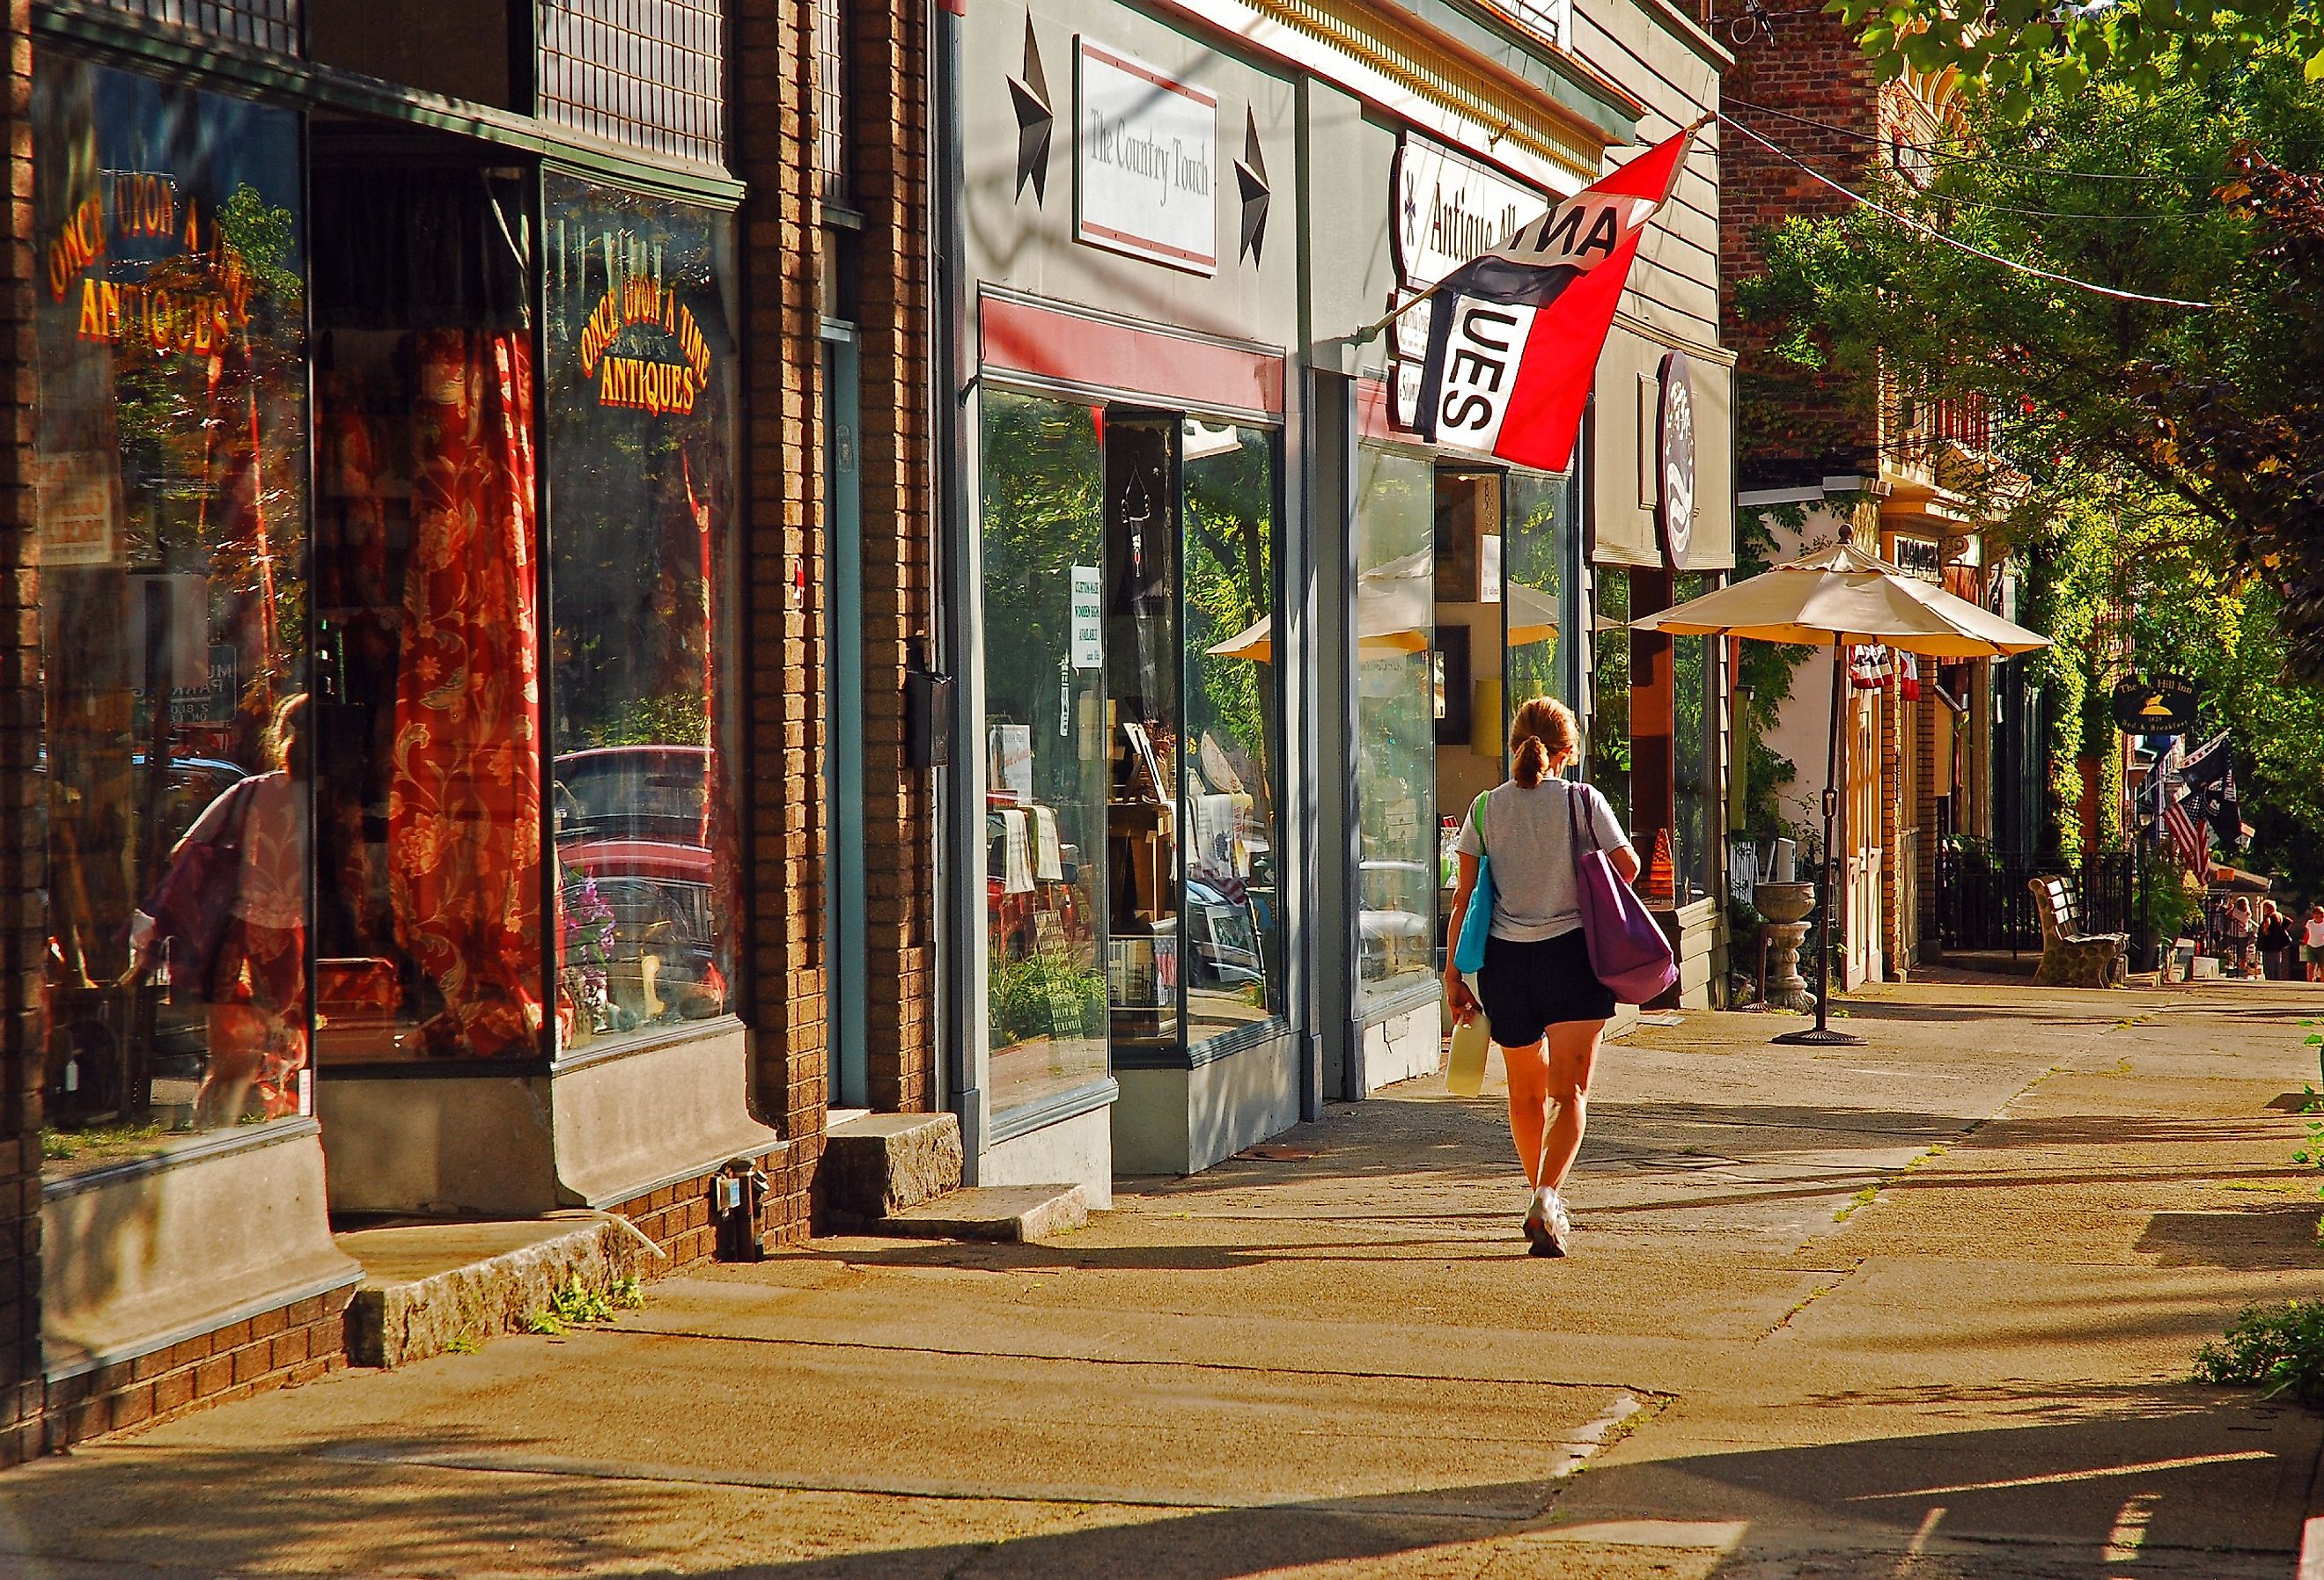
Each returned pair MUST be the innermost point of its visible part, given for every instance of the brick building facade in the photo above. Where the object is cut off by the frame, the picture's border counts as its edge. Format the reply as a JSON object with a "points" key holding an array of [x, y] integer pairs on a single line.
{"points": [[729, 1070], [1850, 444]]}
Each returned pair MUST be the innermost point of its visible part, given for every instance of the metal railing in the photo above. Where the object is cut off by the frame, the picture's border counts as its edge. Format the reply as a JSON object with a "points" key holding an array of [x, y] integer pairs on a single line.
{"points": [[1984, 902]]}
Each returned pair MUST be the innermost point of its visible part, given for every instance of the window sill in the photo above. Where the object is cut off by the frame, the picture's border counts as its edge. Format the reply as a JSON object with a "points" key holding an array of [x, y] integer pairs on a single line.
{"points": [[194, 1149], [1009, 1125]]}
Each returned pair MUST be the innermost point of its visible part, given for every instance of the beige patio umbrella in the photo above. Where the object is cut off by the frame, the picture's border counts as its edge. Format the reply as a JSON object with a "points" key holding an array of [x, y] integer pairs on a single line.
{"points": [[1842, 596], [1395, 611]]}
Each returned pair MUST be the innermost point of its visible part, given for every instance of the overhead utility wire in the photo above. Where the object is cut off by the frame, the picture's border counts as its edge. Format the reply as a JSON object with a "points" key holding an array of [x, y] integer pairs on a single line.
{"points": [[1934, 152], [1936, 234]]}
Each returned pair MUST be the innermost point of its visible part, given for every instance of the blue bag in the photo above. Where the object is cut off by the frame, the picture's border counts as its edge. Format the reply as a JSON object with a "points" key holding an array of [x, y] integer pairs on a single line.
{"points": [[1477, 924]]}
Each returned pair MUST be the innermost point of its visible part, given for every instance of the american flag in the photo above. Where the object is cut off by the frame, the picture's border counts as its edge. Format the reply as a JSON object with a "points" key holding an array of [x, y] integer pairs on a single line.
{"points": [[2190, 839]]}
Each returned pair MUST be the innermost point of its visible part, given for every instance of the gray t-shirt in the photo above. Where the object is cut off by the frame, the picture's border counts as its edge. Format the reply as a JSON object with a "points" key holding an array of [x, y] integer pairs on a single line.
{"points": [[1532, 841]]}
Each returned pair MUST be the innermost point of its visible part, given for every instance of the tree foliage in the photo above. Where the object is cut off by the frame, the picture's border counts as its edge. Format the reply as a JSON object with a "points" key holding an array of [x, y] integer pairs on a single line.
{"points": [[2181, 194], [2160, 470], [2023, 50]]}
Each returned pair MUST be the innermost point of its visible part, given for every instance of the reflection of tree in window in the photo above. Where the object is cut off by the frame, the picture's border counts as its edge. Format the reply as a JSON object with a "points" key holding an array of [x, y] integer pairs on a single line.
{"points": [[1610, 720], [1691, 745]]}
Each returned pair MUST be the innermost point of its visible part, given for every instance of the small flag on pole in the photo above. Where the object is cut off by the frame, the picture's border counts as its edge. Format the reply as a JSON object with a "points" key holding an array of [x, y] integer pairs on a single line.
{"points": [[1514, 334], [2194, 847]]}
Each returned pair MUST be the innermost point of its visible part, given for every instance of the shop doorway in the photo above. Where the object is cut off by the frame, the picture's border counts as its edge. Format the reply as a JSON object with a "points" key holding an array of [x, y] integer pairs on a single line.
{"points": [[1465, 659], [844, 891]]}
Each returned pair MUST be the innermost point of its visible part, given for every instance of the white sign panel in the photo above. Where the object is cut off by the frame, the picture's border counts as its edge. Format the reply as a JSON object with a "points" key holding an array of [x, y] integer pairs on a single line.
{"points": [[1089, 644], [1449, 209], [1146, 155]]}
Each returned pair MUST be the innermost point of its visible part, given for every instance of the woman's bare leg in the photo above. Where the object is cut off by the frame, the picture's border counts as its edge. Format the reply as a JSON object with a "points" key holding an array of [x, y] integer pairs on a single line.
{"points": [[1529, 1068], [1572, 1057]]}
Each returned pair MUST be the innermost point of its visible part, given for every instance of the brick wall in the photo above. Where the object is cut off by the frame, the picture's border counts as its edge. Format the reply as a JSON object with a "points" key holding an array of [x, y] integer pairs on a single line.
{"points": [[22, 927], [1806, 64], [282, 1348], [888, 182], [773, 79]]}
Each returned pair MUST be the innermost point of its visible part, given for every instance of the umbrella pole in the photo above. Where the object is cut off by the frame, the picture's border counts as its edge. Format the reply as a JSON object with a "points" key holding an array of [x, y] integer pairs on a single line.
{"points": [[1822, 1035]]}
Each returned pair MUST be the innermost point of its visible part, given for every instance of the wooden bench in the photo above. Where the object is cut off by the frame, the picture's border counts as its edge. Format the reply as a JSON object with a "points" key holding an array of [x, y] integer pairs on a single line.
{"points": [[2068, 958]]}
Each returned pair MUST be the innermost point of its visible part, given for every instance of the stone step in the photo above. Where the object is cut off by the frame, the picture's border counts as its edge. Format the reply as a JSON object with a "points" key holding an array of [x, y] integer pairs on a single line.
{"points": [[428, 1286], [875, 1164], [991, 1212]]}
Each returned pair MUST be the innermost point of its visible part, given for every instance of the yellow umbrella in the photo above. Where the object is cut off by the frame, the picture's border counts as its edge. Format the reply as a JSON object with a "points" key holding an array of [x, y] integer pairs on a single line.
{"points": [[1844, 597]]}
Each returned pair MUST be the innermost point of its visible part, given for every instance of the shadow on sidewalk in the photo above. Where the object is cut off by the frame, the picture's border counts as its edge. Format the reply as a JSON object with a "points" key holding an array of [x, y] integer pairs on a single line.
{"points": [[2163, 1471]]}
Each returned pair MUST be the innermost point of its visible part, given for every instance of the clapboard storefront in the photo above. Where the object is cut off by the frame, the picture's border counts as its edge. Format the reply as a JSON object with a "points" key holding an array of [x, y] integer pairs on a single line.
{"points": [[381, 809], [1231, 642]]}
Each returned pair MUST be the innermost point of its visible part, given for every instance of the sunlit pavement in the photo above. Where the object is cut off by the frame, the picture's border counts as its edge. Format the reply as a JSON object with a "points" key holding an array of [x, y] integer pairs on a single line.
{"points": [[1919, 1309]]}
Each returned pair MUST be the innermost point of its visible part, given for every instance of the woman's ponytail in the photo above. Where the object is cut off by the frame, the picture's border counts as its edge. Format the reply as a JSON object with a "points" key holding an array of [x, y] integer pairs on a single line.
{"points": [[1532, 761], [1543, 730]]}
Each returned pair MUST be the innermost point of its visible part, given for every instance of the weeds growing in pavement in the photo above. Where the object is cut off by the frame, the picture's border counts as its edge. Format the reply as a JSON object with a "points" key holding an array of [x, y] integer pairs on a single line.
{"points": [[2280, 1348], [576, 1305]]}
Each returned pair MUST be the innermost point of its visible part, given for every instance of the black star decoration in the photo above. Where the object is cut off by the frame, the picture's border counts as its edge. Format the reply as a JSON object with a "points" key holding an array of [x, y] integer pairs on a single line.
{"points": [[1251, 175], [1035, 119]]}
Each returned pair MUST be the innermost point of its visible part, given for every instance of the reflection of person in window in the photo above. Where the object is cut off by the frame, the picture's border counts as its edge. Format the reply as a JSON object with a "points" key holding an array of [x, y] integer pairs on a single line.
{"points": [[236, 891]]}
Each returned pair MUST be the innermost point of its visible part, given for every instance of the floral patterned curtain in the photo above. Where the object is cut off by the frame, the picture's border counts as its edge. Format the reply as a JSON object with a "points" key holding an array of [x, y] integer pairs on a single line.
{"points": [[463, 806]]}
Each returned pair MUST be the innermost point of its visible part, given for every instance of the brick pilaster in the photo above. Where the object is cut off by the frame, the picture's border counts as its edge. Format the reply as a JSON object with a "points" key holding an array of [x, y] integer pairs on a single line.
{"points": [[23, 927], [773, 85]]}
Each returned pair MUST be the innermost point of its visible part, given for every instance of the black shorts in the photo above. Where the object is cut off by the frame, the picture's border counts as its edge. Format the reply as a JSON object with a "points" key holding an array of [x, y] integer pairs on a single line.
{"points": [[1526, 988]]}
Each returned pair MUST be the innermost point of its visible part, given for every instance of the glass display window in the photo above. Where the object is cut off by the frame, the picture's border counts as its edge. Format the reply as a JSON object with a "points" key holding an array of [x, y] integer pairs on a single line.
{"points": [[171, 498], [1539, 601], [1608, 754], [1045, 735], [644, 710], [1231, 913], [429, 783], [1396, 719], [1694, 744], [1133, 711]]}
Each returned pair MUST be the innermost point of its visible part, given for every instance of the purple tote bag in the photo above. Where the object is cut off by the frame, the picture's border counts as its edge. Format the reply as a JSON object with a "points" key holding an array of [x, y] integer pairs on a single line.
{"points": [[1627, 952]]}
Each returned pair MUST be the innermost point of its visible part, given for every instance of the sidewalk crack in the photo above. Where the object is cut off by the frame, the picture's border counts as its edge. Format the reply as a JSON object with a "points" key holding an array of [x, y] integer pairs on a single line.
{"points": [[1812, 1295]]}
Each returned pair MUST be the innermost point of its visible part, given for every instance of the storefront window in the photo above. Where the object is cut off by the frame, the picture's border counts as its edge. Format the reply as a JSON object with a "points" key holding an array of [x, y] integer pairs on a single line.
{"points": [[170, 466], [1694, 727], [1046, 736], [643, 705], [1610, 690], [1396, 718], [1539, 587], [428, 781], [1233, 906]]}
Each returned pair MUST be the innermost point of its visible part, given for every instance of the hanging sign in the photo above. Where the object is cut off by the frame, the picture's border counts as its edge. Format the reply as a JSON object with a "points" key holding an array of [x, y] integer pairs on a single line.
{"points": [[2162, 705], [1146, 153], [668, 366], [1674, 459]]}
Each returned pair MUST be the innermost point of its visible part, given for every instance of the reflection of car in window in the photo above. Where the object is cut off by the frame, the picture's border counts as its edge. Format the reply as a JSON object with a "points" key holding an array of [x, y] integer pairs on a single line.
{"points": [[634, 822]]}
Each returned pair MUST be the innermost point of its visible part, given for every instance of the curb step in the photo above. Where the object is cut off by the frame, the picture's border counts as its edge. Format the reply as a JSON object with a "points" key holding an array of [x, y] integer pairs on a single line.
{"points": [[1017, 1213], [430, 1286], [877, 1164]]}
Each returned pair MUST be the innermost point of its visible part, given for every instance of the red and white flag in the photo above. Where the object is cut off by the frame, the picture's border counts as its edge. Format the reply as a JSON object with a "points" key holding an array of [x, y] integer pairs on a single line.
{"points": [[2193, 847], [1514, 334]]}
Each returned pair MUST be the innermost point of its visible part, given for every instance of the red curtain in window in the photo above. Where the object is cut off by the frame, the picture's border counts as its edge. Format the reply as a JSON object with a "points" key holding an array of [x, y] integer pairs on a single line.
{"points": [[463, 806]]}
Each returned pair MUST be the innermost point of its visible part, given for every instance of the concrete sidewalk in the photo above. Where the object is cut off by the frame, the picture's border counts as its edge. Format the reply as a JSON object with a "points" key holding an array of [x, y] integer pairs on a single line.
{"points": [[1923, 1309]]}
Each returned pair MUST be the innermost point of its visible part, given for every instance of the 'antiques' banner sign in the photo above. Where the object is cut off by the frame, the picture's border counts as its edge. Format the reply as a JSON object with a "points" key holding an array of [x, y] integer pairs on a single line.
{"points": [[1146, 153]]}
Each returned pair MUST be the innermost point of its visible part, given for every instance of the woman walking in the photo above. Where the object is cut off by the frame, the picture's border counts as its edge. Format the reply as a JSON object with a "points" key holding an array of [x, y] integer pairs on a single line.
{"points": [[1546, 1008], [2311, 943], [2275, 943]]}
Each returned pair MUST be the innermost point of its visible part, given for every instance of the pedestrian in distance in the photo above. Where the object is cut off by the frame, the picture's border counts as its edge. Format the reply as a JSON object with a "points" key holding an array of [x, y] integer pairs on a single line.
{"points": [[2237, 928], [2275, 942], [1547, 1007], [2311, 943]]}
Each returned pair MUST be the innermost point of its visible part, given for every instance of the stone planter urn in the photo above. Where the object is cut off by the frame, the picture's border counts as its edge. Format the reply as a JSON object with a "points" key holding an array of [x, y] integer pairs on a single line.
{"points": [[1786, 907]]}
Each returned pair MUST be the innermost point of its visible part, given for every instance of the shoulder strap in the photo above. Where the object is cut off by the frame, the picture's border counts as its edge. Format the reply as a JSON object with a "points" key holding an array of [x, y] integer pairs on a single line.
{"points": [[1477, 817], [1573, 792]]}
